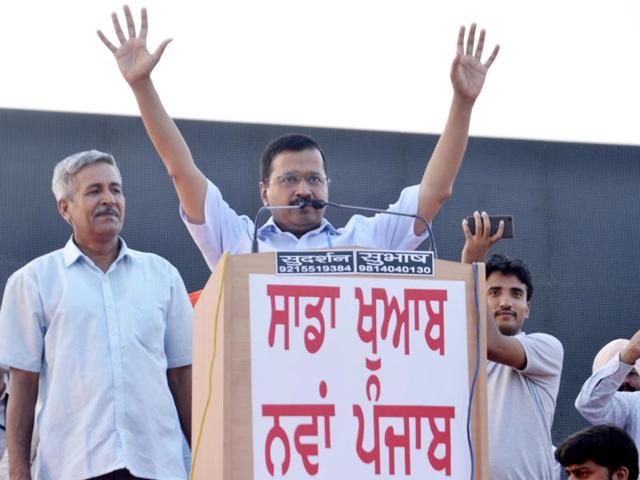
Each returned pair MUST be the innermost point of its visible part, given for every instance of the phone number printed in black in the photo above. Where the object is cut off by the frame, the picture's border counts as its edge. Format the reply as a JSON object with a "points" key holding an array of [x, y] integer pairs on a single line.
{"points": [[315, 269], [394, 263], [315, 262], [395, 269]]}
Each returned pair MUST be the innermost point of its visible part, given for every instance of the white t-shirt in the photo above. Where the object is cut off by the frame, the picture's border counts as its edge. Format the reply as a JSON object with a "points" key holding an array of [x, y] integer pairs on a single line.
{"points": [[521, 408]]}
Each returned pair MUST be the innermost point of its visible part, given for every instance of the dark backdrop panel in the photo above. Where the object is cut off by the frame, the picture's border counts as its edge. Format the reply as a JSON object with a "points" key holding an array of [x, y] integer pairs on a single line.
{"points": [[577, 209]]}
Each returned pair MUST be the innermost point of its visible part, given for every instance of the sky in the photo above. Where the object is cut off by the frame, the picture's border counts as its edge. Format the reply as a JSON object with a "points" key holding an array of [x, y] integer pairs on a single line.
{"points": [[568, 70]]}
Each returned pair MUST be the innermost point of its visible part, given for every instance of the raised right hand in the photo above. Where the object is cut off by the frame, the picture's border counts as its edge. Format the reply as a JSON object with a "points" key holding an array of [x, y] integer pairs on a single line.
{"points": [[477, 244], [631, 352], [134, 60]]}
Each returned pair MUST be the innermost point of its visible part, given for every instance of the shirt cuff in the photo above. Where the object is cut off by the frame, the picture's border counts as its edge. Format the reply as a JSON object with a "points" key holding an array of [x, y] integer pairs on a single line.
{"points": [[615, 370]]}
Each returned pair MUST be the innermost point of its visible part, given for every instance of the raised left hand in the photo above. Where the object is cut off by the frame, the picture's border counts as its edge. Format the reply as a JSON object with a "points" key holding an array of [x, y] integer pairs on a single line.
{"points": [[467, 71]]}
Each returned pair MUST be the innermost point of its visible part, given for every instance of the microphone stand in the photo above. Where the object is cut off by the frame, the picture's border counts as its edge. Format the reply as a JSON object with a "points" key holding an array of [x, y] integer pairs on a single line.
{"points": [[318, 204], [299, 204]]}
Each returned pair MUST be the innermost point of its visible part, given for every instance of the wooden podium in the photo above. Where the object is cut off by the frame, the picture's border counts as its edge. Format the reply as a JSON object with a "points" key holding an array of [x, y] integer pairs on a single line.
{"points": [[288, 369]]}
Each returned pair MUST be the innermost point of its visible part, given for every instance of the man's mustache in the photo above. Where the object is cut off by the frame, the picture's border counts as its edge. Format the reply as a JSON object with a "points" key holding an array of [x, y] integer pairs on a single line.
{"points": [[107, 211]]}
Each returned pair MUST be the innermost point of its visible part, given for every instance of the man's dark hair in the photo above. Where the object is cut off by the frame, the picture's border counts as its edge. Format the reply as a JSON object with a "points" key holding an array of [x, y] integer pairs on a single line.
{"points": [[295, 142], [606, 445], [507, 266]]}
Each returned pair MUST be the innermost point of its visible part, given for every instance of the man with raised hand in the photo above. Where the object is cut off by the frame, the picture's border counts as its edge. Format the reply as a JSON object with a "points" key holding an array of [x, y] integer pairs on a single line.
{"points": [[100, 334], [610, 395], [294, 167], [523, 372]]}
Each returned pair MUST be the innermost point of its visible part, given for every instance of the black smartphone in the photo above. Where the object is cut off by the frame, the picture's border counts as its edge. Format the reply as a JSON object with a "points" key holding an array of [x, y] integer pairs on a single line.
{"points": [[495, 222]]}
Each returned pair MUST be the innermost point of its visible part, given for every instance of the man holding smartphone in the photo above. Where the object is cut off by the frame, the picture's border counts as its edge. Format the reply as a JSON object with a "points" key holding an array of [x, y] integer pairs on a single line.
{"points": [[524, 370]]}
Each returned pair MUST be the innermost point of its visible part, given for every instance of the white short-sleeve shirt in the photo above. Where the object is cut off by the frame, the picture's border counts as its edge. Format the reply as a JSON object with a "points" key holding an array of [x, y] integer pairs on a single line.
{"points": [[102, 344], [225, 230]]}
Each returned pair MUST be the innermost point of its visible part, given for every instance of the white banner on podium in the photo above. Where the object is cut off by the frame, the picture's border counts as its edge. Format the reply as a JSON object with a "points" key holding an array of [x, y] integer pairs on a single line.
{"points": [[358, 378]]}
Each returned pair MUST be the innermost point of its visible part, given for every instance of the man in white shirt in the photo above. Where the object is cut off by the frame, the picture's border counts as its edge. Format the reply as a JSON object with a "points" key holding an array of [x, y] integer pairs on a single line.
{"points": [[293, 172], [610, 396], [100, 334], [523, 370]]}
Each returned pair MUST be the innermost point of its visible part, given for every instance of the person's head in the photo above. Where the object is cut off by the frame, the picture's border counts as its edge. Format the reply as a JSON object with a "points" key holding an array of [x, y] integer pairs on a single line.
{"points": [[293, 167], [88, 190], [509, 291], [603, 452], [612, 349]]}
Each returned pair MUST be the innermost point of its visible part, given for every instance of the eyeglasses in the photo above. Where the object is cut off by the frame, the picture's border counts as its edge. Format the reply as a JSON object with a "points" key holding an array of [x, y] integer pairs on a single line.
{"points": [[292, 180]]}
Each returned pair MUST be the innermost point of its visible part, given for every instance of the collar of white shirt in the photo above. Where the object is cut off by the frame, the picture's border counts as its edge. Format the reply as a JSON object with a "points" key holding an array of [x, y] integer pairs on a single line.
{"points": [[71, 253], [270, 227]]}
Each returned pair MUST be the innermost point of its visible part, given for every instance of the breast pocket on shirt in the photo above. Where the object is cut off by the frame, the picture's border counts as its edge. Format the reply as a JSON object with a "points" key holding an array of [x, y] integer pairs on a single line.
{"points": [[146, 328]]}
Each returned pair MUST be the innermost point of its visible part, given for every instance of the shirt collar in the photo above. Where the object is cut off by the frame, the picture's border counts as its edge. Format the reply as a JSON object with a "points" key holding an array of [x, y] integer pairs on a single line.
{"points": [[71, 253], [270, 226]]}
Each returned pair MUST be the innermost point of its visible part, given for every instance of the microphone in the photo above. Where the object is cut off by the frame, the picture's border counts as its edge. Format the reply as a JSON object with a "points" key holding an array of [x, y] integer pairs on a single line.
{"points": [[318, 204], [300, 203]]}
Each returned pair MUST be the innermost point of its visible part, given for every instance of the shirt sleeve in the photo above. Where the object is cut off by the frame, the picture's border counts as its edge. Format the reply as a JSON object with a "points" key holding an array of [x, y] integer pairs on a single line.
{"points": [[22, 326], [599, 400], [223, 229], [177, 341], [544, 360], [392, 232]]}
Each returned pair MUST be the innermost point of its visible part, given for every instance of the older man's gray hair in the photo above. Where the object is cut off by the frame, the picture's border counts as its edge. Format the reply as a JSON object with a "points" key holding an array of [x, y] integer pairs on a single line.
{"points": [[65, 170]]}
